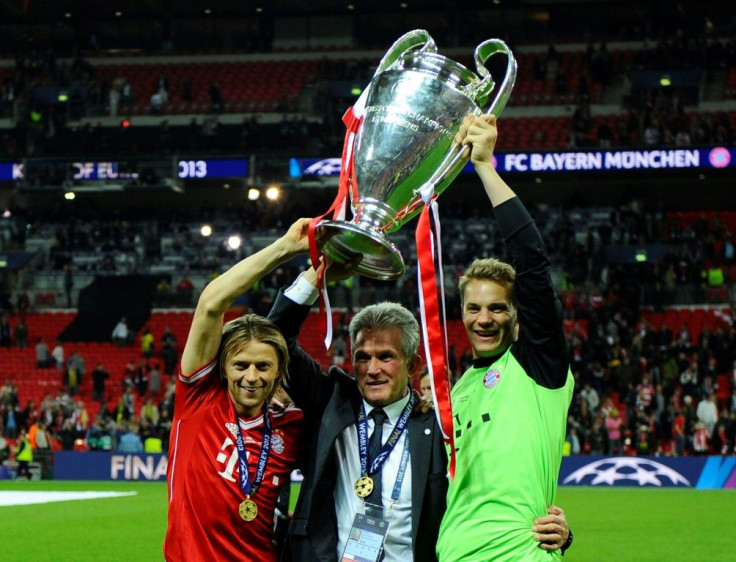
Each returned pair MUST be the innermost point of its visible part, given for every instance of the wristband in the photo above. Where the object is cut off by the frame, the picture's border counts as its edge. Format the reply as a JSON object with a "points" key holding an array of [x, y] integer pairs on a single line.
{"points": [[568, 544]]}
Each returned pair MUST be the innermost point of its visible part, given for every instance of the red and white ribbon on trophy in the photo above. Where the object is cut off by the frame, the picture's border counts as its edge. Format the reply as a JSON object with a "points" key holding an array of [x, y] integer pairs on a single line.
{"points": [[347, 189], [431, 285], [434, 321]]}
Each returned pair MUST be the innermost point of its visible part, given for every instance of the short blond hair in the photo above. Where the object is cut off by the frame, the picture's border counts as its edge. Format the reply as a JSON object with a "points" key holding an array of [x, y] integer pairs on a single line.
{"points": [[488, 269]]}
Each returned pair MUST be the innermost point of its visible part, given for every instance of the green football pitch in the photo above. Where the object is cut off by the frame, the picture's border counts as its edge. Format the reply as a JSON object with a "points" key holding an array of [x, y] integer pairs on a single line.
{"points": [[610, 524]]}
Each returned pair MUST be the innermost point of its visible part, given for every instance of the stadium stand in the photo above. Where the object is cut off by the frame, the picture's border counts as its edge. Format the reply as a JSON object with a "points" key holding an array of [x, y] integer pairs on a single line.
{"points": [[635, 327]]}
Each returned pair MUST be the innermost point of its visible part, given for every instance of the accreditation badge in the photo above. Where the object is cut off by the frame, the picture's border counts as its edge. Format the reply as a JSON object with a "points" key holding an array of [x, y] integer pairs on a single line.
{"points": [[366, 538]]}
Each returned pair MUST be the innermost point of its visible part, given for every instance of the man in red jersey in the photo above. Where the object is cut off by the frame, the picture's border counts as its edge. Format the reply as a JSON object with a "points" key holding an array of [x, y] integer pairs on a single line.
{"points": [[232, 445]]}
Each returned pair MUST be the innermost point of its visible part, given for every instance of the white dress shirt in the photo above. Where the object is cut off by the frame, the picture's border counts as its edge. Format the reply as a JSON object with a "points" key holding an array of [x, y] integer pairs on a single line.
{"points": [[347, 503], [398, 545]]}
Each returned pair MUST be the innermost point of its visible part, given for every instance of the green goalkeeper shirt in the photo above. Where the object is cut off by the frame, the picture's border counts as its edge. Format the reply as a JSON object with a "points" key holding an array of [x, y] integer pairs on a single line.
{"points": [[509, 418], [494, 499]]}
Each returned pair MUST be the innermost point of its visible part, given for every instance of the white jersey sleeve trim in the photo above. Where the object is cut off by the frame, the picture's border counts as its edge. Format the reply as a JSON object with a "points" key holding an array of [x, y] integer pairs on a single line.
{"points": [[201, 373]]}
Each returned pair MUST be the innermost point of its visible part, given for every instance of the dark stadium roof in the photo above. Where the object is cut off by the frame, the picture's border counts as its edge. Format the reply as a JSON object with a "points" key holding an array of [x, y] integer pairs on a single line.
{"points": [[47, 10], [44, 11]]}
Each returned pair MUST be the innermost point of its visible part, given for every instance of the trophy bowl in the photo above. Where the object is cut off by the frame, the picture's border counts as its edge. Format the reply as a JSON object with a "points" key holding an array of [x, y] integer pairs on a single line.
{"points": [[411, 111]]}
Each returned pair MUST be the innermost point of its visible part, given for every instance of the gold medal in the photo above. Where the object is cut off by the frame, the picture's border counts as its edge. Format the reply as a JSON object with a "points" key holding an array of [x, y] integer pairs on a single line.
{"points": [[364, 486], [248, 510]]}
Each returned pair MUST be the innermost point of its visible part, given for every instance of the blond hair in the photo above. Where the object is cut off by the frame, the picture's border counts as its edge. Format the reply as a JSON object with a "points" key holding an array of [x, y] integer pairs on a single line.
{"points": [[488, 269], [252, 327]]}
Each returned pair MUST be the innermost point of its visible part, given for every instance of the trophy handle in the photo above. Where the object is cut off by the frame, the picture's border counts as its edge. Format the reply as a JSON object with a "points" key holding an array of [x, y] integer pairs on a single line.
{"points": [[479, 91], [483, 52], [411, 40]]}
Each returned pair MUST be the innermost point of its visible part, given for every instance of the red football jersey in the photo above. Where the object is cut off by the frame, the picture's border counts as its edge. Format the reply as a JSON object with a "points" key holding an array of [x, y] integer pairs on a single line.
{"points": [[203, 476]]}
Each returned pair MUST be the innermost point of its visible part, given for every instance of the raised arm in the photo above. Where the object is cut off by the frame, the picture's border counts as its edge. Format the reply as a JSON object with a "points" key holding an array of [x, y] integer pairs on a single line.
{"points": [[206, 330], [539, 309], [306, 385]]}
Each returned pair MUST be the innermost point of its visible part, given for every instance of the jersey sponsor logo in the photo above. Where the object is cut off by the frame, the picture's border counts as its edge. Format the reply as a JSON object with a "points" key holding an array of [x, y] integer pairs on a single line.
{"points": [[491, 378], [227, 459], [277, 443], [610, 471], [227, 455], [460, 430]]}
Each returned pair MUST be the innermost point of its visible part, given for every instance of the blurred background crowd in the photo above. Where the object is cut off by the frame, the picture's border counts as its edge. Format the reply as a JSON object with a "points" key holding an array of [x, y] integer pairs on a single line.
{"points": [[98, 287]]}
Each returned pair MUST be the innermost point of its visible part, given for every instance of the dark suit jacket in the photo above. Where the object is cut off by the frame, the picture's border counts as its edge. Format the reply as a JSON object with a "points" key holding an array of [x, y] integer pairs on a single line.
{"points": [[330, 401]]}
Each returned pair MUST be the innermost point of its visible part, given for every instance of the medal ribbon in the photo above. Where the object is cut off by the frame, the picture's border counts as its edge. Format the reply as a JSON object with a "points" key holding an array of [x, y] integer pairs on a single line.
{"points": [[251, 487], [435, 336], [393, 439]]}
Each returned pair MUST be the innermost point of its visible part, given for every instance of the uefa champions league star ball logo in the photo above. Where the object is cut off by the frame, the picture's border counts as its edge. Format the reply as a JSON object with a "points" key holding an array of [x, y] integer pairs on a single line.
{"points": [[491, 378], [644, 472], [326, 167]]}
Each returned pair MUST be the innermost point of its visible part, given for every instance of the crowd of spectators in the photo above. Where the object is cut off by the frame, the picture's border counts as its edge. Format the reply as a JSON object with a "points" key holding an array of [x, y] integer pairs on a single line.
{"points": [[650, 117], [640, 388], [132, 415]]}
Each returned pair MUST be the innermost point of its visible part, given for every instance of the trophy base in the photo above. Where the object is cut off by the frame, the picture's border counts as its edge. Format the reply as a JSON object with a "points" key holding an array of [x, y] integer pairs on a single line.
{"points": [[343, 241]]}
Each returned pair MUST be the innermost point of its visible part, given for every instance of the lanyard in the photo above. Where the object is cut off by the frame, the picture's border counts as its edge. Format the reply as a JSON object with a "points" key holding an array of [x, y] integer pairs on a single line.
{"points": [[362, 428], [402, 471], [251, 487]]}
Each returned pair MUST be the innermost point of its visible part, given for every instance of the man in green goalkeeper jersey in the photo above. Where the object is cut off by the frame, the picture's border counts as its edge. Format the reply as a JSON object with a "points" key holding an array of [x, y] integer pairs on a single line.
{"points": [[510, 407]]}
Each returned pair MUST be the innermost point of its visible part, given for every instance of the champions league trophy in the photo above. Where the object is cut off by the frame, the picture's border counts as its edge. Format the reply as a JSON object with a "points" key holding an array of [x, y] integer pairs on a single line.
{"points": [[403, 146]]}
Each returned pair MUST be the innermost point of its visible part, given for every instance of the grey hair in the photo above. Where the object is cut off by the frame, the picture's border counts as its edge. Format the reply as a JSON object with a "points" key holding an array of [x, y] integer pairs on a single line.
{"points": [[386, 315]]}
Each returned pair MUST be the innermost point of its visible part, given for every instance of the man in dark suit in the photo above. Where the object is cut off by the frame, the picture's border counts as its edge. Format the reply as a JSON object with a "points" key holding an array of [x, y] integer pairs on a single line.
{"points": [[385, 341]]}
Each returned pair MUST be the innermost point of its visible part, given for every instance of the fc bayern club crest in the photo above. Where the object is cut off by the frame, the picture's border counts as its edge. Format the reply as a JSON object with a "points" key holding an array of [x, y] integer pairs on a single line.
{"points": [[491, 378], [277, 443]]}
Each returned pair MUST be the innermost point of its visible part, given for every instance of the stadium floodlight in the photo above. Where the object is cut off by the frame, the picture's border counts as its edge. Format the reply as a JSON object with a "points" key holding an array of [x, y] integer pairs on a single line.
{"points": [[272, 193], [233, 242]]}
